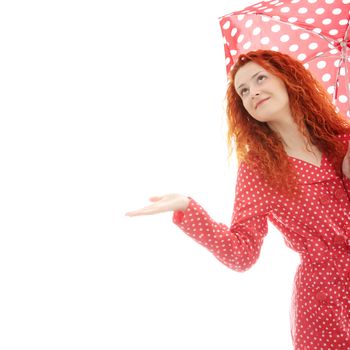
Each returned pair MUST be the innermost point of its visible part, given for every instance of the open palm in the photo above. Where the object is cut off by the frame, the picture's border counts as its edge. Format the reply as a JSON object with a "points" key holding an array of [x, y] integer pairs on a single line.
{"points": [[168, 202]]}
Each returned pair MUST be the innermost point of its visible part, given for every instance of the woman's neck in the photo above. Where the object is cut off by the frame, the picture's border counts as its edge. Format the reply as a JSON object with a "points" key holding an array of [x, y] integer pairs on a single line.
{"points": [[293, 140]]}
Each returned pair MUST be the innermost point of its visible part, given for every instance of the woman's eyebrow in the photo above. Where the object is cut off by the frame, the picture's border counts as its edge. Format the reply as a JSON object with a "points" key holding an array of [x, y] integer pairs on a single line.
{"points": [[250, 78]]}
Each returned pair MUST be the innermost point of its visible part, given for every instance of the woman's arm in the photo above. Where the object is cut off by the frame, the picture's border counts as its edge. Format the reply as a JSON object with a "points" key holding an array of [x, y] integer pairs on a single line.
{"points": [[239, 245]]}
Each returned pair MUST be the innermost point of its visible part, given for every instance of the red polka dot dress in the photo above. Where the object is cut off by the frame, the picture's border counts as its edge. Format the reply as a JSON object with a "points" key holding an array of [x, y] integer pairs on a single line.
{"points": [[316, 226]]}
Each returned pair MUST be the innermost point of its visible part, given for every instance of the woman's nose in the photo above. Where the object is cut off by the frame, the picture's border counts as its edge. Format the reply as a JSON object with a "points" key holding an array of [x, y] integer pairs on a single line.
{"points": [[255, 93]]}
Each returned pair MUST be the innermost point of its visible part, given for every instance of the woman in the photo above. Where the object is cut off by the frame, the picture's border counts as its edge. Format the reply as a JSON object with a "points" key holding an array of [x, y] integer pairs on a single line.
{"points": [[294, 170]]}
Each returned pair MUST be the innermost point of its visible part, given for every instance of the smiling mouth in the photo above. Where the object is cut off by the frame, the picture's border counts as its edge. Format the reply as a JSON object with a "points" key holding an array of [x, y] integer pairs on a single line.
{"points": [[261, 102]]}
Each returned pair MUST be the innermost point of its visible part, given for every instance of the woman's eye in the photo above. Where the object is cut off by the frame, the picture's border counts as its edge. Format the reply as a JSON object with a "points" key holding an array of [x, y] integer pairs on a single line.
{"points": [[260, 77]]}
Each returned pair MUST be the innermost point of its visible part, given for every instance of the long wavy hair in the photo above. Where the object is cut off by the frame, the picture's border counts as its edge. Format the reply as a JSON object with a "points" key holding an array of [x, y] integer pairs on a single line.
{"points": [[312, 110]]}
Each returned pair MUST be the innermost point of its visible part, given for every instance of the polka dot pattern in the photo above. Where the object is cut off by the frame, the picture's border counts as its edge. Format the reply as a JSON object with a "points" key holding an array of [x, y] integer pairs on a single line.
{"points": [[317, 227], [313, 31]]}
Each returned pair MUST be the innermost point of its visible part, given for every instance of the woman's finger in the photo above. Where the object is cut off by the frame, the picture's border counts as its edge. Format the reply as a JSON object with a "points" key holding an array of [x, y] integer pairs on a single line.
{"points": [[142, 211], [145, 211], [150, 209]]}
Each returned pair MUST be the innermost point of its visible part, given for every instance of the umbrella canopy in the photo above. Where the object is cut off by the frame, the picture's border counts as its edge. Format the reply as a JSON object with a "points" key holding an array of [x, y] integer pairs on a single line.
{"points": [[316, 32]]}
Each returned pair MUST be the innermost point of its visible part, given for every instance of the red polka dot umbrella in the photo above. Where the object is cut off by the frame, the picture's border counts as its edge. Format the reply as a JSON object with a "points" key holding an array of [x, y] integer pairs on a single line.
{"points": [[316, 32]]}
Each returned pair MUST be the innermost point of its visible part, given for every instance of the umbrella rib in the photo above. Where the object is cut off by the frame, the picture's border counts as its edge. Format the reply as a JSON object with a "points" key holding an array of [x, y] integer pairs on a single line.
{"points": [[318, 56], [346, 36]]}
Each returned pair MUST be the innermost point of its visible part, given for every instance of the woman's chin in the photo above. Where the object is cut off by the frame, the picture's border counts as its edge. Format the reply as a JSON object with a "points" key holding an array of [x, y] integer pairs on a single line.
{"points": [[262, 118]]}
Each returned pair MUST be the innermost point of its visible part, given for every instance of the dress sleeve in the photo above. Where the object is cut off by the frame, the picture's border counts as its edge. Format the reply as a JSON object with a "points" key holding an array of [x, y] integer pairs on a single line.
{"points": [[239, 245]]}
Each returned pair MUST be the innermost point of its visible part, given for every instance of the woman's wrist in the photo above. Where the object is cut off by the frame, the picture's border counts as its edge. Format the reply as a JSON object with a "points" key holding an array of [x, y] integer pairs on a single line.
{"points": [[183, 204]]}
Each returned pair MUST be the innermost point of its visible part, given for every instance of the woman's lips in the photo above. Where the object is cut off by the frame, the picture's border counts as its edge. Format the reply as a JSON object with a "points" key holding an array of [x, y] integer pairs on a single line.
{"points": [[262, 101]]}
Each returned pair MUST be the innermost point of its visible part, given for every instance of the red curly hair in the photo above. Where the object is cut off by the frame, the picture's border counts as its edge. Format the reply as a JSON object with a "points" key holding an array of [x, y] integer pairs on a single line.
{"points": [[311, 107]]}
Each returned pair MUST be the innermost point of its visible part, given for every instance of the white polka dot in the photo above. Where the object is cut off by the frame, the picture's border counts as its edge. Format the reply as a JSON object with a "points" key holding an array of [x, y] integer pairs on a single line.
{"points": [[313, 46], [321, 64], [304, 36], [343, 98], [331, 89], [326, 77], [247, 45], [234, 31], [327, 21], [337, 11], [320, 11], [257, 31], [333, 32], [226, 25], [302, 10], [285, 9], [337, 63], [240, 38], [265, 19], [284, 38], [265, 40], [249, 23], [310, 21], [276, 28]]}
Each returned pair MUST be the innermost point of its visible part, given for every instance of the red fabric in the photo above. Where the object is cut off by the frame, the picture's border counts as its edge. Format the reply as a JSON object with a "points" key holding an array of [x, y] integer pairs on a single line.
{"points": [[317, 227]]}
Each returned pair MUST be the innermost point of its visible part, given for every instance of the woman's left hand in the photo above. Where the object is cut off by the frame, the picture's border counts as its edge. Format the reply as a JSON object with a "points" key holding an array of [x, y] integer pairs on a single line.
{"points": [[346, 163]]}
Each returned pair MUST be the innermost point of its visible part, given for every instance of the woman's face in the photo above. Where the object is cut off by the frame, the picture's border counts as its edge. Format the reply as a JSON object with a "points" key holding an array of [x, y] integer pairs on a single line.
{"points": [[254, 85]]}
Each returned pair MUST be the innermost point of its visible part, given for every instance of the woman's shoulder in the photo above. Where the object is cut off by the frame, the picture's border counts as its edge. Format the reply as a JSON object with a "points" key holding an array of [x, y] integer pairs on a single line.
{"points": [[249, 170]]}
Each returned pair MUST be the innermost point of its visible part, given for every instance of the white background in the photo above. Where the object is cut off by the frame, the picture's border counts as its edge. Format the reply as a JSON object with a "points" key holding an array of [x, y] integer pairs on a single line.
{"points": [[104, 104]]}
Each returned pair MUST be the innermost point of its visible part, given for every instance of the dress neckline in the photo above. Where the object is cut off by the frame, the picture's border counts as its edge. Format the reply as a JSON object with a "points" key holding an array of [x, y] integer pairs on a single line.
{"points": [[312, 164]]}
